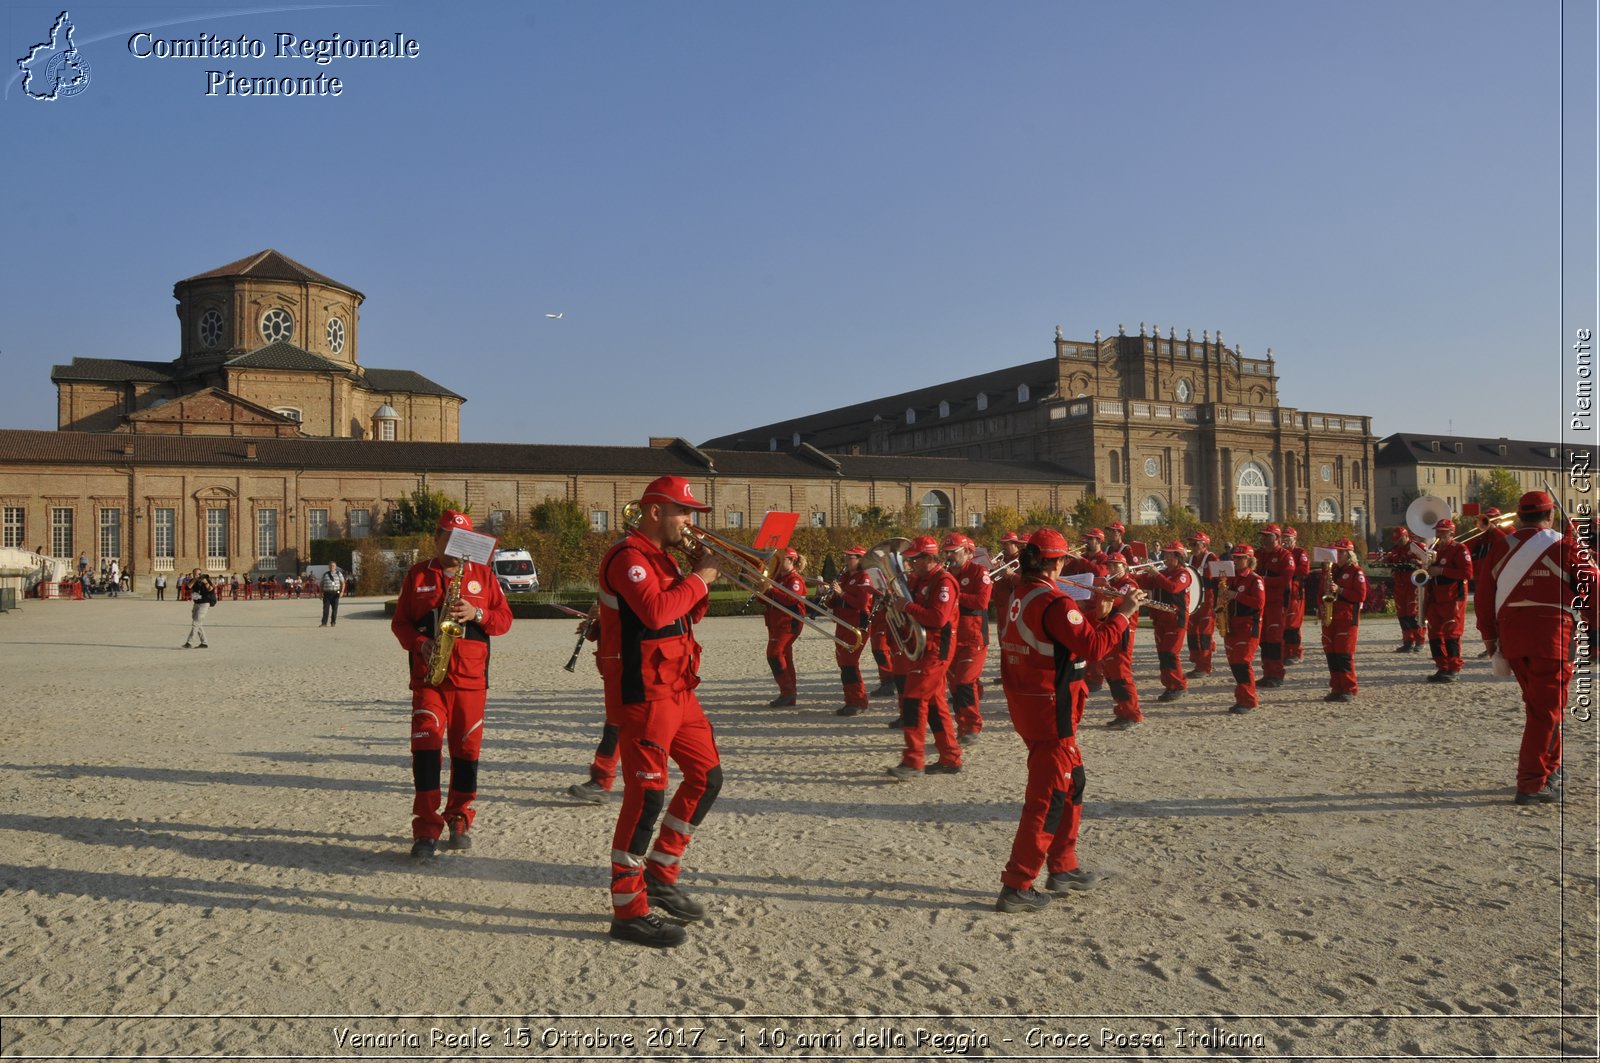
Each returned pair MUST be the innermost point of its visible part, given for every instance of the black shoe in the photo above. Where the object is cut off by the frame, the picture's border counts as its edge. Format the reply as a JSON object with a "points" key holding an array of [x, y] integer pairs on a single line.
{"points": [[649, 930], [590, 791], [459, 838], [424, 849], [1170, 695], [205, 646], [896, 723], [1028, 900], [905, 772], [1269, 683], [1195, 673], [187, 646], [966, 738], [940, 767], [1078, 879], [1094, 687], [672, 900], [1404, 647], [782, 701], [847, 710], [1442, 677], [885, 689], [1240, 710], [1548, 795], [1335, 695]]}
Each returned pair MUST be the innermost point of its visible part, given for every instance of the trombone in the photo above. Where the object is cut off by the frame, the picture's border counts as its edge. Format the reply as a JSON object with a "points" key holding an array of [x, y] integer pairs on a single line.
{"points": [[884, 559], [752, 570], [1503, 523]]}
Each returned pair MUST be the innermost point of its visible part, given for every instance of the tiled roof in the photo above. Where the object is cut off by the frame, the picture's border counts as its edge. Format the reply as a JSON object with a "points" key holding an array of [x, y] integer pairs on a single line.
{"points": [[113, 369], [1408, 448], [848, 423], [270, 265], [285, 355], [96, 448], [405, 380]]}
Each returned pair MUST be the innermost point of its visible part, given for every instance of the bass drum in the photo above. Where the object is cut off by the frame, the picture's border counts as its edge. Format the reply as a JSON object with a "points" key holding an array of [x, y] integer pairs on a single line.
{"points": [[1196, 592]]}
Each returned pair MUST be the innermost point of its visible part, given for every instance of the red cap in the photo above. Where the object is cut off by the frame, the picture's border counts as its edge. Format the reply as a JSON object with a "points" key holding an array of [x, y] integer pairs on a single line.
{"points": [[922, 544], [450, 519], [1049, 543], [792, 554], [956, 541], [1492, 511], [1402, 533], [672, 489], [1535, 502], [1117, 526], [1174, 547], [1200, 537], [856, 551], [1445, 525], [1095, 534], [1289, 531], [1342, 544], [1244, 550], [1270, 529], [1012, 537]]}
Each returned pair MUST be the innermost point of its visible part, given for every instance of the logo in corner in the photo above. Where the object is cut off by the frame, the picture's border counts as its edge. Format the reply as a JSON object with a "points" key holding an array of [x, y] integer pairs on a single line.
{"points": [[54, 69]]}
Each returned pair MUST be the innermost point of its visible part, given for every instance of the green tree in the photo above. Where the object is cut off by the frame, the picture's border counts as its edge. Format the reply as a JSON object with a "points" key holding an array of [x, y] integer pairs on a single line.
{"points": [[1002, 519], [1092, 511], [1499, 489], [875, 517], [420, 511], [561, 518]]}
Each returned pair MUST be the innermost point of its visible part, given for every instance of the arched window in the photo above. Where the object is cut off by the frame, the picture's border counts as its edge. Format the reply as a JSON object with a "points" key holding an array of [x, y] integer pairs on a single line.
{"points": [[1116, 467], [1327, 511], [1150, 510], [1022, 393], [983, 401], [911, 415], [1251, 498], [944, 408], [935, 510]]}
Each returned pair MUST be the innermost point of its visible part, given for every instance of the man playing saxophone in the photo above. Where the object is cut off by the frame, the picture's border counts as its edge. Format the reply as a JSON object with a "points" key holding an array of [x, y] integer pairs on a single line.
{"points": [[438, 593], [1342, 589]]}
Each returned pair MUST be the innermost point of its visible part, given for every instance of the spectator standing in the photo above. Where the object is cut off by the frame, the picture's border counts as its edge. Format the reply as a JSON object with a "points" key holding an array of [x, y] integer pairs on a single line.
{"points": [[161, 586], [333, 582], [202, 596]]}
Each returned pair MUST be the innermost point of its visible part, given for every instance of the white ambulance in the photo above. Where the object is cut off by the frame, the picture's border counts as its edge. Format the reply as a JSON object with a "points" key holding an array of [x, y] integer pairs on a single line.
{"points": [[516, 571]]}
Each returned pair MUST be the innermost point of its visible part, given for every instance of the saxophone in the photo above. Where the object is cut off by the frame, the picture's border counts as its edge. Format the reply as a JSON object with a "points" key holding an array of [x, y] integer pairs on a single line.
{"points": [[446, 629]]}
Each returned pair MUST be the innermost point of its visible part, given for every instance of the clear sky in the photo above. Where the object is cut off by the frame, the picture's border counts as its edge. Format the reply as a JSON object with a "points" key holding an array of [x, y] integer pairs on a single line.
{"points": [[747, 211]]}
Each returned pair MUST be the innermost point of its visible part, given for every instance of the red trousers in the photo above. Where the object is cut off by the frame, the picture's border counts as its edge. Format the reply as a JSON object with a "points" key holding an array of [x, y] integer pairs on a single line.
{"points": [[438, 713], [849, 662], [1241, 647], [1169, 640], [1117, 667], [780, 654], [1052, 803], [1202, 640], [966, 686], [1292, 624], [1407, 607], [603, 769], [923, 707], [1273, 621], [1446, 621], [1339, 646], [649, 734], [1544, 683]]}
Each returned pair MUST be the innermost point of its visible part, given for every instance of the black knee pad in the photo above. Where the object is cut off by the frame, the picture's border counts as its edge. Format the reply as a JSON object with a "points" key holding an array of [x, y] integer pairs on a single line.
{"points": [[654, 800], [1341, 662], [1119, 689], [609, 737], [908, 712], [935, 721], [1452, 647], [1291, 637], [1058, 805], [425, 769], [963, 695], [1168, 661], [900, 685], [881, 658], [850, 675], [1241, 672], [463, 776], [709, 798], [776, 664], [1271, 651], [1079, 778]]}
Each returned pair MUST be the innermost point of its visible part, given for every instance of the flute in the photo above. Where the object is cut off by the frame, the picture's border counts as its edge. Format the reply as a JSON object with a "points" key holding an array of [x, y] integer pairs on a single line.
{"points": [[1116, 595]]}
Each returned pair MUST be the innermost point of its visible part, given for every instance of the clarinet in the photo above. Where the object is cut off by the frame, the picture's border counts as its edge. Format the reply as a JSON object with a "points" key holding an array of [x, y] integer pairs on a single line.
{"points": [[577, 651]]}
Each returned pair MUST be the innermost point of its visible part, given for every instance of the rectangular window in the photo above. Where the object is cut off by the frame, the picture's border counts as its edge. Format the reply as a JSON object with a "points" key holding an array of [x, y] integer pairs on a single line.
{"points": [[1394, 505], [599, 520], [16, 527], [317, 524], [216, 538], [111, 535], [498, 518], [360, 523], [819, 519], [974, 520], [1430, 475], [267, 535], [61, 531], [386, 430], [735, 518], [166, 539]]}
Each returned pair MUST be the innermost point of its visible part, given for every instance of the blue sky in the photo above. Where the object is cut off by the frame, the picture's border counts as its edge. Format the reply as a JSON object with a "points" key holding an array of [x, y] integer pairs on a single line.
{"points": [[750, 211]]}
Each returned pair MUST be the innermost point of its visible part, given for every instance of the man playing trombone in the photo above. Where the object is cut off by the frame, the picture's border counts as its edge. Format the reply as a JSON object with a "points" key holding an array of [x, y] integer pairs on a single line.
{"points": [[933, 604], [785, 606], [1445, 601], [647, 611], [972, 635], [853, 593]]}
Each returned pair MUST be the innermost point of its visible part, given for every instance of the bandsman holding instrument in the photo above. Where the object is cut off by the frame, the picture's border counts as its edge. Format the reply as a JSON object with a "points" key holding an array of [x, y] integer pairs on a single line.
{"points": [[783, 627], [1444, 601], [446, 613], [1092, 560], [1241, 599], [1402, 561], [648, 608], [1341, 591], [972, 635], [852, 599], [1276, 567], [1301, 583], [933, 605], [1491, 530], [1203, 621], [1003, 578], [1533, 582], [1046, 641], [1169, 585], [1116, 664], [1117, 543]]}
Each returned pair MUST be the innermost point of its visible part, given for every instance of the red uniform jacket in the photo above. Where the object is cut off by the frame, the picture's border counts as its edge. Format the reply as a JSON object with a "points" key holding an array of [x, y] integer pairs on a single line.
{"points": [[1046, 640], [1208, 588], [934, 605], [1451, 584], [791, 591], [1302, 573], [1169, 587], [854, 605], [1531, 617], [1249, 597], [415, 618], [1350, 584], [647, 613], [1077, 566], [973, 604], [1276, 569]]}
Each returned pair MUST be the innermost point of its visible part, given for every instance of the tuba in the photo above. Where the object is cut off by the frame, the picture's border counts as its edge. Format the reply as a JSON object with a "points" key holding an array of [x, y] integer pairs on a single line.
{"points": [[1421, 515], [446, 629], [884, 559]]}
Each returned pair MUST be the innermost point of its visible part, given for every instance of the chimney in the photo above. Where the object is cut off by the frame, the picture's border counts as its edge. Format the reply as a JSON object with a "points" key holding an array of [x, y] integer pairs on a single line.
{"points": [[127, 448], [249, 452]]}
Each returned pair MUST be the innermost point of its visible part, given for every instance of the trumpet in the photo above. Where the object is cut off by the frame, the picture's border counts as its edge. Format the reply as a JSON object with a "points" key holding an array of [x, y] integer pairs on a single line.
{"points": [[1004, 567], [753, 571], [884, 558]]}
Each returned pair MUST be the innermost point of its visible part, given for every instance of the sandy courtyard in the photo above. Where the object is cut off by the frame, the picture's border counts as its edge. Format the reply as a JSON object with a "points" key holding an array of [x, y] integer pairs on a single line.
{"points": [[206, 855]]}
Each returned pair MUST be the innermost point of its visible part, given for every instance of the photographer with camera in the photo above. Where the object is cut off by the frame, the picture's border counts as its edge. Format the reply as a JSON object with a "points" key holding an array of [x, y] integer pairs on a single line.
{"points": [[202, 596]]}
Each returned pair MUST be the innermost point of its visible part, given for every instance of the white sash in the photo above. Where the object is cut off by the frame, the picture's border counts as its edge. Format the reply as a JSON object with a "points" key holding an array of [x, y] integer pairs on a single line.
{"points": [[1517, 565]]}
